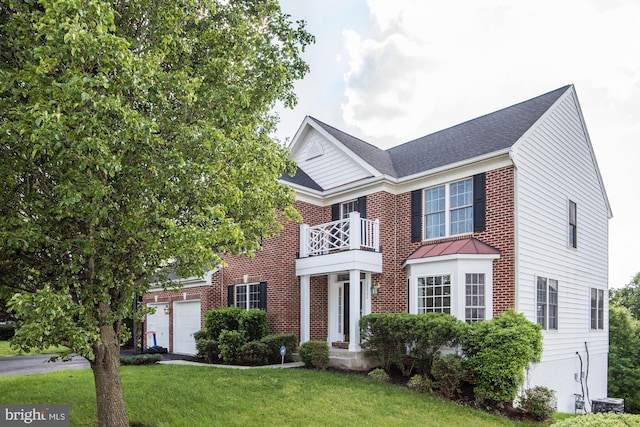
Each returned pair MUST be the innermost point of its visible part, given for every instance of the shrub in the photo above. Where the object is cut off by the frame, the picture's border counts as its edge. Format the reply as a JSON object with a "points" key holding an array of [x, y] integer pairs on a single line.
{"points": [[7, 332], [379, 374], [385, 337], [420, 384], [221, 319], [539, 402], [600, 420], [200, 335], [140, 359], [498, 351], [429, 333], [254, 323], [274, 342], [315, 354], [254, 353], [448, 372], [208, 350], [230, 343]]}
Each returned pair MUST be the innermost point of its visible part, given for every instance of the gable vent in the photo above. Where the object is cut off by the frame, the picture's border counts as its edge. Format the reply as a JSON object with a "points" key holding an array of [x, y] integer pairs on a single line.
{"points": [[314, 150]]}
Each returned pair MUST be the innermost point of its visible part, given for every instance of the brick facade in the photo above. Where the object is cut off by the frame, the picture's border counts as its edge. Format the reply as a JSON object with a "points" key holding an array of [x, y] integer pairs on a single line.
{"points": [[275, 264]]}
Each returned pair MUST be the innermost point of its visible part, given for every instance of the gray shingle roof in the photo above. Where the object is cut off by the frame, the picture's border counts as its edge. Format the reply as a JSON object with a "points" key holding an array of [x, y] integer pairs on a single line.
{"points": [[487, 134], [301, 178]]}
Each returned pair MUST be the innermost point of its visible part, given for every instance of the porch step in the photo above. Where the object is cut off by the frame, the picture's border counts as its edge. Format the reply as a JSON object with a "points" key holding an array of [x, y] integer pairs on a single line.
{"points": [[350, 360]]}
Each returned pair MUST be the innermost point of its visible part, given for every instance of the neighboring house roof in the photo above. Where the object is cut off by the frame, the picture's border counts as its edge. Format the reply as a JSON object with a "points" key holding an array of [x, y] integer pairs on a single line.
{"points": [[484, 135], [470, 246]]}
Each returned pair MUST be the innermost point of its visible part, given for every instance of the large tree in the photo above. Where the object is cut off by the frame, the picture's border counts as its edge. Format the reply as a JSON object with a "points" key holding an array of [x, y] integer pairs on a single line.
{"points": [[135, 138], [628, 296]]}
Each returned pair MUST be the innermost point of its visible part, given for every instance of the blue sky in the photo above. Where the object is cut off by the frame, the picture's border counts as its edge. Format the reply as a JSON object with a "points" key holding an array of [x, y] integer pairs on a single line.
{"points": [[391, 71]]}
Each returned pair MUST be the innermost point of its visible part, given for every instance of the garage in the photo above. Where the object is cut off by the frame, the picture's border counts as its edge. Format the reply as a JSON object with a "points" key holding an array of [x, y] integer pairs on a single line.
{"points": [[158, 322], [186, 321]]}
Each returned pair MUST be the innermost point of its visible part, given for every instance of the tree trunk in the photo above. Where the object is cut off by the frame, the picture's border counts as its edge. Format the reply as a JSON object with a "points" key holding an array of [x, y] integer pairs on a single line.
{"points": [[106, 374]]}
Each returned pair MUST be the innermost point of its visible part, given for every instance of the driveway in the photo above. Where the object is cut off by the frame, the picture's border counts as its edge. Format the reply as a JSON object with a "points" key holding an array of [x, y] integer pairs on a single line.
{"points": [[21, 365]]}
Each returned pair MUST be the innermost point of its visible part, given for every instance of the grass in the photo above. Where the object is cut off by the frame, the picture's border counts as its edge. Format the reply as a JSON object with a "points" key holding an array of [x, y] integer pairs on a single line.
{"points": [[6, 350], [175, 395]]}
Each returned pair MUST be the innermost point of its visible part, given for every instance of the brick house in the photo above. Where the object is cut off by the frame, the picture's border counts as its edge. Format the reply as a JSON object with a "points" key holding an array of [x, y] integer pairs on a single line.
{"points": [[507, 210]]}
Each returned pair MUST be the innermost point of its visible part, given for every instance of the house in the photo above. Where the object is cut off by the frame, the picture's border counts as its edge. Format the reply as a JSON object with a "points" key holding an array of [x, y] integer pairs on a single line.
{"points": [[507, 210]]}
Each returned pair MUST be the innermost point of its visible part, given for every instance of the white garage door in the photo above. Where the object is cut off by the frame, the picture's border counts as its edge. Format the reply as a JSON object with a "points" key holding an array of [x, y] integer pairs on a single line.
{"points": [[159, 323], [186, 321]]}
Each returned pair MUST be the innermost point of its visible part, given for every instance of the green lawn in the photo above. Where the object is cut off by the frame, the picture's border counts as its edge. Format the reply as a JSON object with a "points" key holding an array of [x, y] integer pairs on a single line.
{"points": [[174, 395], [7, 350]]}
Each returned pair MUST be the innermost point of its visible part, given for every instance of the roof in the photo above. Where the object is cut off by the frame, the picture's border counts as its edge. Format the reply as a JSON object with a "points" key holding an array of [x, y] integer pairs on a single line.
{"points": [[487, 134], [301, 178], [470, 246]]}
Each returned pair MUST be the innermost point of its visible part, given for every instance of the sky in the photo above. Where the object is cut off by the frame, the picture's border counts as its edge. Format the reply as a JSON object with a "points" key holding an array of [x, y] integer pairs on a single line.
{"points": [[391, 71]]}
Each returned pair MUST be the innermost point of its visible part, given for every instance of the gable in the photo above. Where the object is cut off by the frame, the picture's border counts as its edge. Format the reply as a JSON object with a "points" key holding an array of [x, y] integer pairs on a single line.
{"points": [[325, 160]]}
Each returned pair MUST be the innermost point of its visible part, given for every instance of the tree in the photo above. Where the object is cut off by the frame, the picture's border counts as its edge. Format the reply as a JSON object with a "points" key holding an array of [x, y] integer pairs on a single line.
{"points": [[624, 357], [134, 141], [628, 297]]}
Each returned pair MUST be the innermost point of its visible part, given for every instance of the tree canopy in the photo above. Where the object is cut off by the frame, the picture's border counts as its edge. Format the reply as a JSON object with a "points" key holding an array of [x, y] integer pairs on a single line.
{"points": [[135, 140], [628, 296]]}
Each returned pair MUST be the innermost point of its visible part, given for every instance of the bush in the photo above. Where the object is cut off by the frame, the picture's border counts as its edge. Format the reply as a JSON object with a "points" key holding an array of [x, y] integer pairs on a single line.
{"points": [[624, 358], [420, 384], [7, 332], [379, 374], [448, 372], [274, 342], [254, 323], [254, 353], [230, 343], [385, 337], [140, 359], [221, 319], [315, 354], [201, 335], [208, 350], [498, 351], [600, 420], [429, 333], [539, 402]]}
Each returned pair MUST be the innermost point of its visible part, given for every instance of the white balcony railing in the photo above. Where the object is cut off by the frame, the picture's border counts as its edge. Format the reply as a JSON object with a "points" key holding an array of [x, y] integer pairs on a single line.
{"points": [[344, 234]]}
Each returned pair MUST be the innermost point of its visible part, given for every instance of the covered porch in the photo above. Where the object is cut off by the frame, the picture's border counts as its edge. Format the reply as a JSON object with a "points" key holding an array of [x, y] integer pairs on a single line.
{"points": [[347, 253]]}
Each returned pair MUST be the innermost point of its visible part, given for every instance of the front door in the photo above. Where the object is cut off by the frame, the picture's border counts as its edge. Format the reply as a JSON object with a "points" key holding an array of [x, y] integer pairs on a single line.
{"points": [[343, 309]]}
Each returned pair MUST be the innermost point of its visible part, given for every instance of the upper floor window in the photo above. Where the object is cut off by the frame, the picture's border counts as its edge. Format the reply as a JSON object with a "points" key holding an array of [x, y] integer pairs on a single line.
{"points": [[248, 296], [573, 224], [434, 294], [597, 308], [449, 209], [547, 303], [347, 207]]}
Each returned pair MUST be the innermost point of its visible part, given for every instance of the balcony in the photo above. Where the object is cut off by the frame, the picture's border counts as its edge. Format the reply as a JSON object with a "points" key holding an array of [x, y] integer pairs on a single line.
{"points": [[350, 243]]}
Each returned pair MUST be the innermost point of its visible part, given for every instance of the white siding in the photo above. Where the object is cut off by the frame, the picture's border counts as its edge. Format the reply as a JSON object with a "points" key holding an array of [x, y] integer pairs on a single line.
{"points": [[331, 169], [555, 164]]}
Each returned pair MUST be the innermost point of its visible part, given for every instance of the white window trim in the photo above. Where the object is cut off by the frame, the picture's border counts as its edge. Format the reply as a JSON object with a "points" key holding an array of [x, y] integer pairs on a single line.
{"points": [[247, 305], [457, 266], [447, 210], [603, 299], [545, 327]]}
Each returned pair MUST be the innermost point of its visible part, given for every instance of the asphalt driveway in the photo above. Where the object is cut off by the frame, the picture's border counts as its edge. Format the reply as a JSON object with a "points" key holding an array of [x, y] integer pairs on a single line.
{"points": [[22, 365]]}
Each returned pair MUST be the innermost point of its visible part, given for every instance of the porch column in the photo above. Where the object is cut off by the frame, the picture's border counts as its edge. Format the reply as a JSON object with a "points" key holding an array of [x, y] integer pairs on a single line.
{"points": [[305, 308], [354, 310]]}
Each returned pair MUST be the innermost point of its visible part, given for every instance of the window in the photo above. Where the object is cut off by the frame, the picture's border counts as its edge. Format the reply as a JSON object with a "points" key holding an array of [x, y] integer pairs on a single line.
{"points": [[347, 207], [474, 301], [434, 294], [573, 224], [547, 303], [597, 308], [248, 296], [449, 209]]}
